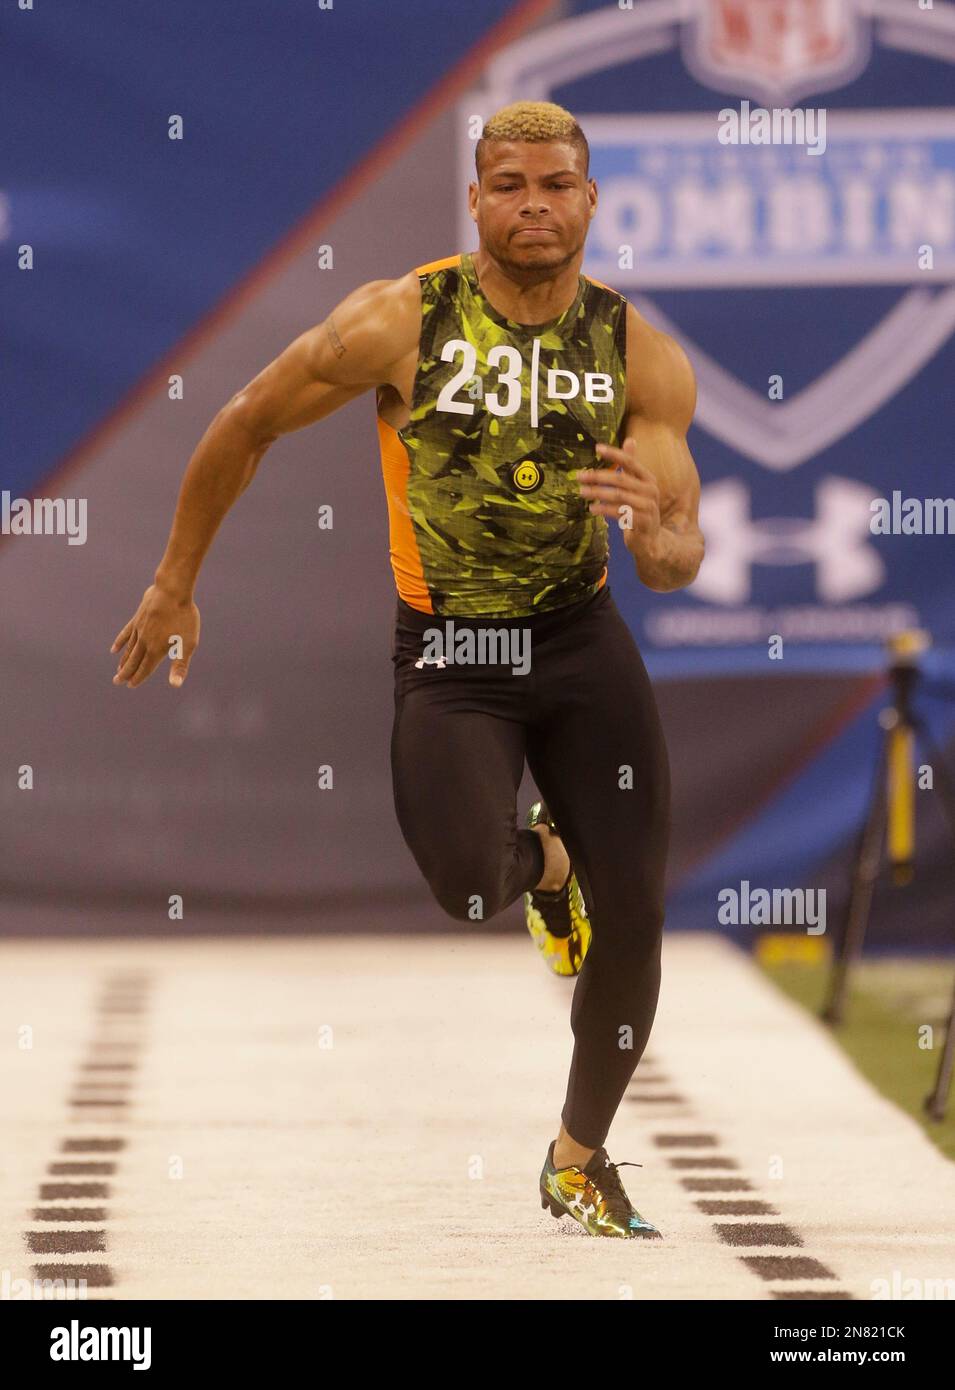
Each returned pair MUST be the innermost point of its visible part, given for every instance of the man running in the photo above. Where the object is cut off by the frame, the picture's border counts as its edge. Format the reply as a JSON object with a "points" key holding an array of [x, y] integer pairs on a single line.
{"points": [[520, 405]]}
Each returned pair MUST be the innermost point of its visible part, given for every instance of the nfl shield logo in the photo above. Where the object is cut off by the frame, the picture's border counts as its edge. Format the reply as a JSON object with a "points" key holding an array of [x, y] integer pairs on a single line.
{"points": [[777, 49]]}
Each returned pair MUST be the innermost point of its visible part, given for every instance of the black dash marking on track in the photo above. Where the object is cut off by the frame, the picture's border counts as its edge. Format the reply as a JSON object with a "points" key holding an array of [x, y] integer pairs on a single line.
{"points": [[78, 1102], [69, 1214], [756, 1233], [685, 1141], [65, 1242], [110, 1057], [92, 1145], [57, 1191], [99, 1097], [711, 1161], [716, 1185], [738, 1233], [92, 1168], [104, 1083], [96, 1276], [812, 1293], [734, 1206], [115, 1048], [105, 1091], [787, 1267], [657, 1100]]}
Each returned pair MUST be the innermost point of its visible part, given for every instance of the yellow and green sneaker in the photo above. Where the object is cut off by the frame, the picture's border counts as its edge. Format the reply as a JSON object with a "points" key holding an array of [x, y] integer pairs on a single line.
{"points": [[557, 921], [594, 1196]]}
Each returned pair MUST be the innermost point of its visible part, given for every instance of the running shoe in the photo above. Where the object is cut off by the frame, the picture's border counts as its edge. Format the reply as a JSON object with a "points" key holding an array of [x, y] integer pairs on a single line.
{"points": [[557, 920], [594, 1196]]}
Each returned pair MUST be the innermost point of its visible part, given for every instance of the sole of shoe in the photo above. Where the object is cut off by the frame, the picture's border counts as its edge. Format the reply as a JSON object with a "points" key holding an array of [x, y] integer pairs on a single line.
{"points": [[548, 1204]]}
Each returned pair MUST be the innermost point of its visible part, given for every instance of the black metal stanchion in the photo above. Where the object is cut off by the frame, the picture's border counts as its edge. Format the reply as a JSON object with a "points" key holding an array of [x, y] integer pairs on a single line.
{"points": [[891, 812], [936, 1101], [864, 874]]}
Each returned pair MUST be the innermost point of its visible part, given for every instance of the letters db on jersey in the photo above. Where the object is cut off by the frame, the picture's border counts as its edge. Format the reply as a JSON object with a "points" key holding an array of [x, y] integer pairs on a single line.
{"points": [[832, 272], [506, 395]]}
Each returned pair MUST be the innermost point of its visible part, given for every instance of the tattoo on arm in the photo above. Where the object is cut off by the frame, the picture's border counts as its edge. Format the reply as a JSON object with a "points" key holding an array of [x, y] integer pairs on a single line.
{"points": [[338, 347]]}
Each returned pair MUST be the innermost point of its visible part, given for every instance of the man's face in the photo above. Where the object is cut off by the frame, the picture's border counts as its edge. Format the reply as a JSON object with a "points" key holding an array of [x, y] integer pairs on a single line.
{"points": [[533, 205]]}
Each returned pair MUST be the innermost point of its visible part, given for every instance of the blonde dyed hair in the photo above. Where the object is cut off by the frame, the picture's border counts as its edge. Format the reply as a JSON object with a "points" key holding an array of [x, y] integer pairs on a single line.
{"points": [[534, 121]]}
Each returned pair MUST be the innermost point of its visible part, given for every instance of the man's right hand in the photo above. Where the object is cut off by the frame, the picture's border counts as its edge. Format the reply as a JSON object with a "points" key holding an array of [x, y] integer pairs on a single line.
{"points": [[148, 637], [373, 331]]}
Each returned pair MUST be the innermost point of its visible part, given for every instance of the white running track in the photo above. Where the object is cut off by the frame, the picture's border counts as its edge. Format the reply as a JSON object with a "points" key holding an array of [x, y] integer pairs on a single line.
{"points": [[402, 1161]]}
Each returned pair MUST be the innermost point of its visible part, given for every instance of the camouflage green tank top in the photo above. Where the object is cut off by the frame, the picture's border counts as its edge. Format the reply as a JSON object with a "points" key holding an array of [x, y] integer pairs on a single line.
{"points": [[485, 517]]}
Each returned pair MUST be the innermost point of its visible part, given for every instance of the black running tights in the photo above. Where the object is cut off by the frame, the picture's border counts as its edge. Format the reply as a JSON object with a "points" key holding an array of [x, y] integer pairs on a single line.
{"points": [[585, 719]]}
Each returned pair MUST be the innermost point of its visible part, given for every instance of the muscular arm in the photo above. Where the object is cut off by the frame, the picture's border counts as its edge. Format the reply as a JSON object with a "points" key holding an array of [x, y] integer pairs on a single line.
{"points": [[353, 350], [658, 486], [357, 347]]}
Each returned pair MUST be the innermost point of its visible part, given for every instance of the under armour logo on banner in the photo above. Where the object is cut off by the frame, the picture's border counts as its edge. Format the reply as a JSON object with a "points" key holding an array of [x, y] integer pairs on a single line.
{"points": [[837, 542]]}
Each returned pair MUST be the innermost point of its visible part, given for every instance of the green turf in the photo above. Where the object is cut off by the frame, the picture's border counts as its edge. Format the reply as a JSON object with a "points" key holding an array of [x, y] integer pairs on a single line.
{"points": [[889, 1000]]}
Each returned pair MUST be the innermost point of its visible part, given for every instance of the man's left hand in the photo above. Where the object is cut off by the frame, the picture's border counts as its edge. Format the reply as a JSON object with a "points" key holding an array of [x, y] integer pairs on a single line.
{"points": [[626, 484]]}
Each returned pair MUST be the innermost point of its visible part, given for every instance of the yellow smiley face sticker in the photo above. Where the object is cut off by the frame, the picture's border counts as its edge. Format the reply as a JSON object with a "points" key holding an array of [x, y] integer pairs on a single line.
{"points": [[527, 476]]}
